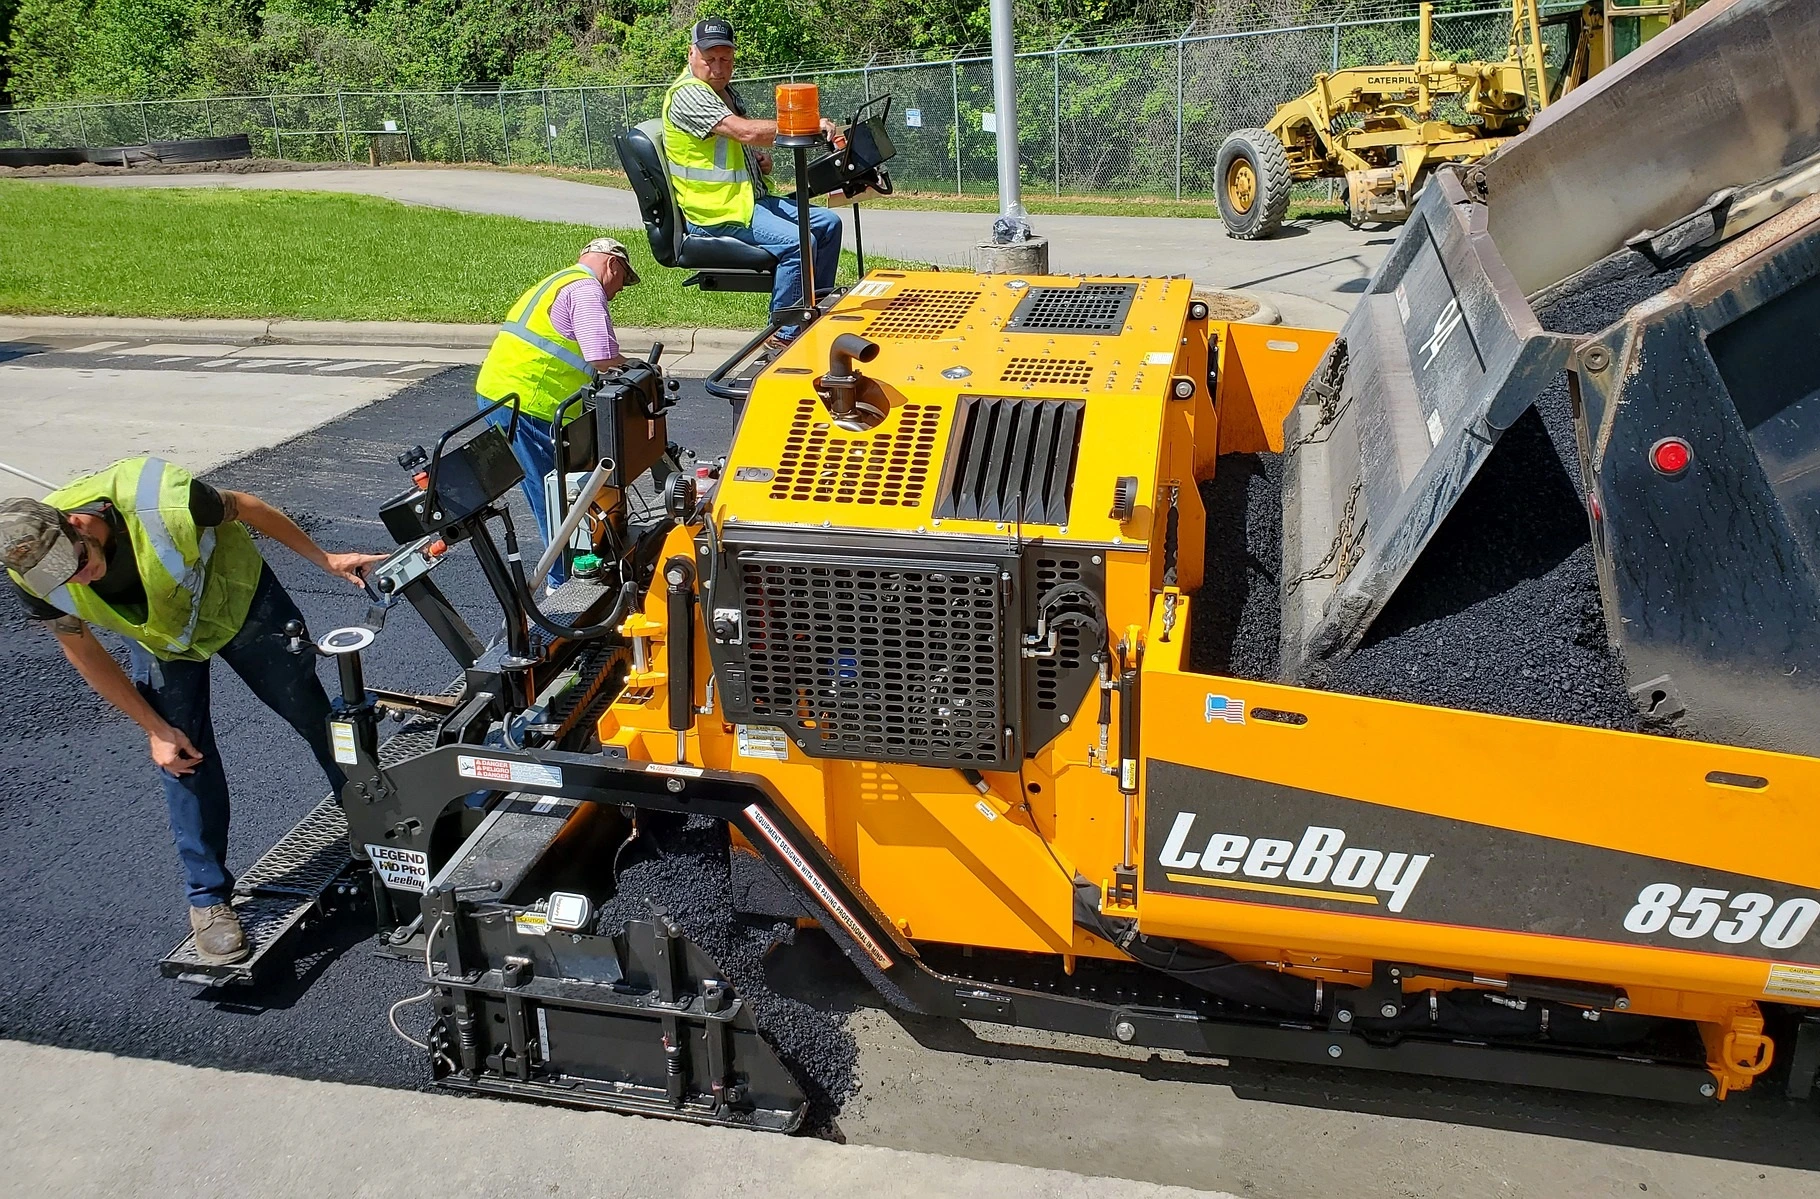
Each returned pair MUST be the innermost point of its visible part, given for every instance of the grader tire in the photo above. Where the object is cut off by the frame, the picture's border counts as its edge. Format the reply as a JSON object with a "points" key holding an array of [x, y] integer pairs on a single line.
{"points": [[1252, 179]]}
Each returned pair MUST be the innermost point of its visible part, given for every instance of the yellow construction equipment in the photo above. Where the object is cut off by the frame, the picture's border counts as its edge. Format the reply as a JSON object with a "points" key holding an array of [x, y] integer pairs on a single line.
{"points": [[1383, 129], [915, 653]]}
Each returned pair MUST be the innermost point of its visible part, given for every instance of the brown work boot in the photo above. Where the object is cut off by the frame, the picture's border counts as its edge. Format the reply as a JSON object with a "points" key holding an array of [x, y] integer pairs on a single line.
{"points": [[219, 937]]}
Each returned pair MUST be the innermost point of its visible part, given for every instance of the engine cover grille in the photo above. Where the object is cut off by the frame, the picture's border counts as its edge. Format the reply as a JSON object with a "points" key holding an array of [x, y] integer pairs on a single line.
{"points": [[1089, 308], [880, 658], [921, 315]]}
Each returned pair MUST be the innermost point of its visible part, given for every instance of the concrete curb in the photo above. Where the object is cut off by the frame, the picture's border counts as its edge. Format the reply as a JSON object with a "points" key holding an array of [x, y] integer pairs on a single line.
{"points": [[1267, 313], [677, 341]]}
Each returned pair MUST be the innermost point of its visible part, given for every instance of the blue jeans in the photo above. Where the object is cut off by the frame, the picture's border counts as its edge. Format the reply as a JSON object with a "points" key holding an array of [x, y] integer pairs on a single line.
{"points": [[179, 691], [535, 446], [774, 227]]}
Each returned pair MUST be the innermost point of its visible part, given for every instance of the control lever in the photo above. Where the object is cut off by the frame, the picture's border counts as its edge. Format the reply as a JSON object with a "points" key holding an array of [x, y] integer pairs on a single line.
{"points": [[486, 888]]}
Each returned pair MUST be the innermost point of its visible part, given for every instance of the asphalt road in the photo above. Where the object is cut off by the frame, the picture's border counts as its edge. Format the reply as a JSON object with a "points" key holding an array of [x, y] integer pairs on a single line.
{"points": [[1313, 271], [94, 901]]}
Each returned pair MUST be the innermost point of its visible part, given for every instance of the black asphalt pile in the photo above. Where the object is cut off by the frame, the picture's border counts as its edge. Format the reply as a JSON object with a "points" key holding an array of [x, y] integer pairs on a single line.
{"points": [[1238, 611], [1501, 612], [679, 867]]}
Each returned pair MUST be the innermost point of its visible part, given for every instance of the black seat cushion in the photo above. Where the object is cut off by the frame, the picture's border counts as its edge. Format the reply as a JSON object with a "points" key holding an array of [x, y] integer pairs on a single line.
{"points": [[641, 153]]}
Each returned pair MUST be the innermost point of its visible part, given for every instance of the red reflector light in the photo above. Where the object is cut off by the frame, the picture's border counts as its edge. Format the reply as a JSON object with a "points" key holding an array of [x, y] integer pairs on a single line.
{"points": [[1671, 455]]}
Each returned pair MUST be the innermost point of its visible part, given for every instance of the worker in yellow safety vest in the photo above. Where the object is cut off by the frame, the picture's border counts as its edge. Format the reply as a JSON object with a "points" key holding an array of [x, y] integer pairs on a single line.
{"points": [[556, 336], [717, 162], [164, 560]]}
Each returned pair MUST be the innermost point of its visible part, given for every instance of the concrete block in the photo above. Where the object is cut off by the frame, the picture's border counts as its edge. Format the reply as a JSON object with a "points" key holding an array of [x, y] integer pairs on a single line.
{"points": [[1017, 258]]}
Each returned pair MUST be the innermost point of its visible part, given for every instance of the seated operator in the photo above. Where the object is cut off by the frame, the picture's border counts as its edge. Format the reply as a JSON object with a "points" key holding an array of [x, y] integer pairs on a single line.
{"points": [[557, 334], [718, 170]]}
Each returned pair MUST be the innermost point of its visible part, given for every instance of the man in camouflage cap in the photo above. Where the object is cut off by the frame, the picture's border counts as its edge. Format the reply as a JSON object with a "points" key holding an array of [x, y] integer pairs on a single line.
{"points": [[166, 561]]}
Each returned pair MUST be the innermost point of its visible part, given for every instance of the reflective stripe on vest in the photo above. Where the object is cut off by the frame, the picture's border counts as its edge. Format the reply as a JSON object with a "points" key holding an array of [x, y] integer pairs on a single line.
{"points": [[718, 173], [521, 328], [158, 538], [197, 598], [709, 188], [531, 358]]}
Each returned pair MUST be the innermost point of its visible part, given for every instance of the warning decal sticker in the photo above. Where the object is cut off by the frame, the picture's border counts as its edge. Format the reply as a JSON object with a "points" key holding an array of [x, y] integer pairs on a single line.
{"points": [[1788, 981], [763, 741], [500, 770]]}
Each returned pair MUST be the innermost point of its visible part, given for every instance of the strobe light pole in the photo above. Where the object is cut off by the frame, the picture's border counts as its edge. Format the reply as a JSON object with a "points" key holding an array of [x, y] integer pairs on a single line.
{"points": [[1013, 248]]}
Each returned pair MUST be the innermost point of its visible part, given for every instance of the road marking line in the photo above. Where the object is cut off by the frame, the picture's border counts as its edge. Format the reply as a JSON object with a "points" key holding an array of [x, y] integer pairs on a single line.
{"points": [[412, 366], [95, 347], [348, 366], [254, 363], [220, 362], [178, 358]]}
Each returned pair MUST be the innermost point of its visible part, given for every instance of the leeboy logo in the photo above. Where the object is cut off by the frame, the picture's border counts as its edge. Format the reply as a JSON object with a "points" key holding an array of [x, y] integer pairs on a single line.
{"points": [[1319, 865]]}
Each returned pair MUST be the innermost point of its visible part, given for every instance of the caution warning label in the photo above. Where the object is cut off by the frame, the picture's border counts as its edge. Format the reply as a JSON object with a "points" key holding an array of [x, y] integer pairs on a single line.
{"points": [[1787, 981], [504, 770], [763, 741]]}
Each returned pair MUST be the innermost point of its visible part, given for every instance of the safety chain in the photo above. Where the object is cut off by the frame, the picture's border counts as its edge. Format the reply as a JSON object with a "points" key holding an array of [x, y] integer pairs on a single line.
{"points": [[1346, 549]]}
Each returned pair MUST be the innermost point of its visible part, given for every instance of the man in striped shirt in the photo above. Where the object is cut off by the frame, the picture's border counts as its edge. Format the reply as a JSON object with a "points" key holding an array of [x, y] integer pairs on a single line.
{"points": [[706, 108], [556, 337]]}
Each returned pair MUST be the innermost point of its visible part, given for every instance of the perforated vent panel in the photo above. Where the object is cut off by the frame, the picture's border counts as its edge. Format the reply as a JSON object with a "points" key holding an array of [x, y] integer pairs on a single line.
{"points": [[888, 466], [921, 315], [1066, 372], [893, 663], [1089, 308]]}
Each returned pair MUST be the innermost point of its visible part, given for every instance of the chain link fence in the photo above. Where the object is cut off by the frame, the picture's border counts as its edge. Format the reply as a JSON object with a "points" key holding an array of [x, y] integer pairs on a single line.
{"points": [[1143, 118]]}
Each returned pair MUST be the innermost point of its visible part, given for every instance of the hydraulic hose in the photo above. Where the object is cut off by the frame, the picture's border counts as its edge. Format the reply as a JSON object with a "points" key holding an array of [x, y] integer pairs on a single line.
{"points": [[584, 499], [622, 607]]}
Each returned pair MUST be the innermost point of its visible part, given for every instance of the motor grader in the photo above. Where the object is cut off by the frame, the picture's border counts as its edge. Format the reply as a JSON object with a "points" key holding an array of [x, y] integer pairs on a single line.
{"points": [[1384, 129], [918, 644]]}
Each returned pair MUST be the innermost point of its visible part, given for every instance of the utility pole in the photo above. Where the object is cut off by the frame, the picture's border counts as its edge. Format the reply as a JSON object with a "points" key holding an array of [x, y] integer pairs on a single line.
{"points": [[1012, 249]]}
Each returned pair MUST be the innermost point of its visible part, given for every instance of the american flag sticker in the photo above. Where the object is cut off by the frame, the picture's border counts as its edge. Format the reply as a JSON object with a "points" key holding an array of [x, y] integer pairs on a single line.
{"points": [[1225, 707]]}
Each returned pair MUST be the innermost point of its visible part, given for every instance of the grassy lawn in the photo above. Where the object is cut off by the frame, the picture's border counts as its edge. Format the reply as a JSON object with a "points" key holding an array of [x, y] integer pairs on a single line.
{"points": [[224, 252], [1037, 203]]}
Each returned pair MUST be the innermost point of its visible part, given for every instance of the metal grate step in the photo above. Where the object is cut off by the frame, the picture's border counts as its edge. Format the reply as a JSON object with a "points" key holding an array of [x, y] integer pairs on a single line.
{"points": [[288, 880], [305, 860], [274, 897]]}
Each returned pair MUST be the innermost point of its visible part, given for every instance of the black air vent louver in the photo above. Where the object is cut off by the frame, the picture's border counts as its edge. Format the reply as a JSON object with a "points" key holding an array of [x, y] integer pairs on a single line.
{"points": [[1007, 451]]}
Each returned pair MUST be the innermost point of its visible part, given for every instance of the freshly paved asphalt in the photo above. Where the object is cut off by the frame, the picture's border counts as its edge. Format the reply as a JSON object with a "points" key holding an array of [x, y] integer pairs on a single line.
{"points": [[1313, 271]]}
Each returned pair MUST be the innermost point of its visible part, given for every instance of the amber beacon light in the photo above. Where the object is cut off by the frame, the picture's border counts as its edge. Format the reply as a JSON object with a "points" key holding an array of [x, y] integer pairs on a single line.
{"points": [[798, 110]]}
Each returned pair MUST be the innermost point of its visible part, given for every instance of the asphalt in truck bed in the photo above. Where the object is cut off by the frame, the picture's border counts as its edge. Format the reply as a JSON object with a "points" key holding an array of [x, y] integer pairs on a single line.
{"points": [[94, 898]]}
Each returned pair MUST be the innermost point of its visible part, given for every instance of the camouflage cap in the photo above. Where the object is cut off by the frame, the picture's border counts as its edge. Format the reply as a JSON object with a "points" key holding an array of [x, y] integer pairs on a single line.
{"points": [[617, 248], [37, 542]]}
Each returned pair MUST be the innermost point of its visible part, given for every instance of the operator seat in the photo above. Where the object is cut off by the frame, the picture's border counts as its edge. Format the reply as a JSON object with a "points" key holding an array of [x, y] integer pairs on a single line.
{"points": [[719, 263]]}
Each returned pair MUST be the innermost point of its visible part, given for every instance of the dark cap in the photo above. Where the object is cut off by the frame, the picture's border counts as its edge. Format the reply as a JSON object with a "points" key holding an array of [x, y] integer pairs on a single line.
{"points": [[715, 31]]}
